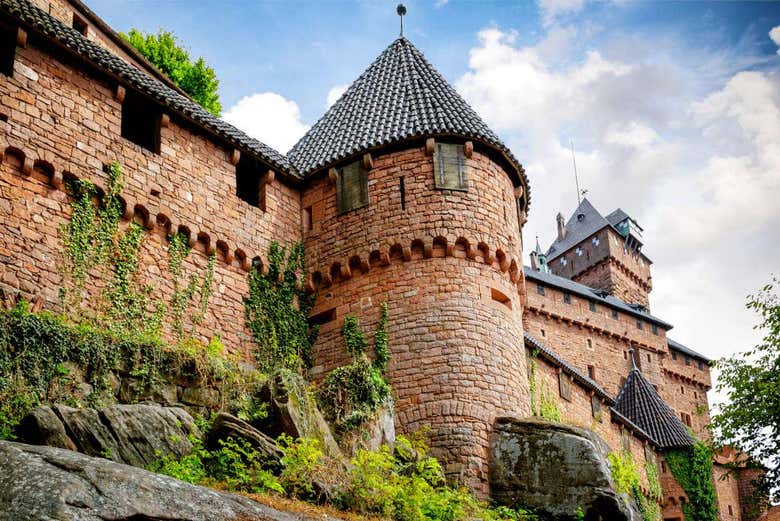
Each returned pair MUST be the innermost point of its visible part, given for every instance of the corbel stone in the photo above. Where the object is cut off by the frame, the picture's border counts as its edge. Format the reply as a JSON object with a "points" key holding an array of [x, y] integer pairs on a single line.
{"points": [[129, 209], [57, 180], [309, 287], [406, 253], [468, 149], [345, 272], [21, 37], [333, 175], [519, 191], [165, 120], [119, 93], [368, 161], [270, 176], [234, 156], [430, 146], [28, 166]]}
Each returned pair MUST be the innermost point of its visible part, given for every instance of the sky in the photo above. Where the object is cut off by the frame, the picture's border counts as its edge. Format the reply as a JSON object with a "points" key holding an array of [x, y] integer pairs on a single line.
{"points": [[673, 110]]}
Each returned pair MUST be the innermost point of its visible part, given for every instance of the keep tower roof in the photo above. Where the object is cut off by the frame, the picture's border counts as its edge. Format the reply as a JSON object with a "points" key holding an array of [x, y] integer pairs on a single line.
{"points": [[400, 97]]}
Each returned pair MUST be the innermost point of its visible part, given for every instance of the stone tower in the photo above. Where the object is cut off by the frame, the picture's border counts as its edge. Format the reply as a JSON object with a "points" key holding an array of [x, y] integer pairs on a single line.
{"points": [[602, 252], [412, 200]]}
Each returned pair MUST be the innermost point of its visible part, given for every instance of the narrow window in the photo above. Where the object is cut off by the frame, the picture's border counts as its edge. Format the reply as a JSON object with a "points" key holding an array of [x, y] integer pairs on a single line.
{"points": [[79, 24], [655, 329], [449, 167], [540, 289], [250, 181], [648, 357], [352, 187], [592, 372], [700, 365], [500, 298], [639, 324], [324, 317], [567, 297], [625, 355], [141, 122], [7, 49], [674, 355], [307, 220], [402, 188], [731, 512], [695, 395], [564, 386], [543, 333], [682, 390], [589, 343], [592, 306], [687, 360], [663, 468], [595, 407], [615, 314]]}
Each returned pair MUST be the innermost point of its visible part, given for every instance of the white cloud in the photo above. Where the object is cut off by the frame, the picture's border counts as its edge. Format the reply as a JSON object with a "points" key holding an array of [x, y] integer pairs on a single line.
{"points": [[553, 8], [698, 171], [774, 34], [334, 94], [268, 117]]}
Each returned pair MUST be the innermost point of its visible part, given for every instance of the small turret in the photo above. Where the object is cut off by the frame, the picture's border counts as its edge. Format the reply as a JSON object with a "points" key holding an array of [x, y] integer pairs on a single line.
{"points": [[561, 226], [539, 258]]}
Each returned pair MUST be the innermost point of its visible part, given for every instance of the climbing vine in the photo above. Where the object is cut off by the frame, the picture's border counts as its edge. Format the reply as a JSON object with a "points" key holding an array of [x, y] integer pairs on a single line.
{"points": [[625, 475], [352, 393], [184, 294], [543, 401], [692, 468], [277, 311]]}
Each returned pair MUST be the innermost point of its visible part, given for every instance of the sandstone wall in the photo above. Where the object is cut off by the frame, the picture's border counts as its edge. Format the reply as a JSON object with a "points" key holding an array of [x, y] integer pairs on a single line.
{"points": [[447, 263], [61, 122]]}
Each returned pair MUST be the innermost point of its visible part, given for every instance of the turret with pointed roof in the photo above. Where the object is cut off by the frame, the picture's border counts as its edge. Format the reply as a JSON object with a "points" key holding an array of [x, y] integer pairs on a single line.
{"points": [[602, 252]]}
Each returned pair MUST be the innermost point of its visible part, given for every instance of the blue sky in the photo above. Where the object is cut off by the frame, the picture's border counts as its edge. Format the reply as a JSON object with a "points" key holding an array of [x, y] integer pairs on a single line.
{"points": [[673, 108]]}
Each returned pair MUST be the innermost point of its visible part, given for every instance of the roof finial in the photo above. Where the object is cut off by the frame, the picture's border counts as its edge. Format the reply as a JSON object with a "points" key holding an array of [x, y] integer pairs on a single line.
{"points": [[631, 354], [401, 10]]}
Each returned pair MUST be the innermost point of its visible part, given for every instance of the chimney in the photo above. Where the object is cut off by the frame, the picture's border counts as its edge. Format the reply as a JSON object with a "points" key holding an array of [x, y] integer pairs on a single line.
{"points": [[534, 261], [561, 226]]}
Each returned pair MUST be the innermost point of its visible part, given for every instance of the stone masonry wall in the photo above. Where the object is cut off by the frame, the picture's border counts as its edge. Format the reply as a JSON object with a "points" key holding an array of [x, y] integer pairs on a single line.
{"points": [[448, 266], [63, 122]]}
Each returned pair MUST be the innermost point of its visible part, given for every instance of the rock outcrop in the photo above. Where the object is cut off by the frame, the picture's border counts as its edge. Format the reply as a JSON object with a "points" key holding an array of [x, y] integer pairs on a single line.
{"points": [[228, 426], [46, 483], [554, 469], [133, 434], [373, 433]]}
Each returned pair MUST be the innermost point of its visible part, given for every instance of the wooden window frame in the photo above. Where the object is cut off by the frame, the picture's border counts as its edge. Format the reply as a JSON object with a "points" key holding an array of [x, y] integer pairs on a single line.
{"points": [[442, 158], [354, 168], [8, 35]]}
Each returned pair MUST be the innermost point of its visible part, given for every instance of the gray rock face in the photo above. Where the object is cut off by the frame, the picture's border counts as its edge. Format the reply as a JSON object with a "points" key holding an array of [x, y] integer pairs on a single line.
{"points": [[133, 434], [228, 426], [47, 483], [554, 469], [373, 433]]}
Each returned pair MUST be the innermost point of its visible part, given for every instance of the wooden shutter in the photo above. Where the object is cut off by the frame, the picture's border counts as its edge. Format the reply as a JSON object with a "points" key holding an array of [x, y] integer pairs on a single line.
{"points": [[449, 166], [564, 386], [595, 407], [352, 187]]}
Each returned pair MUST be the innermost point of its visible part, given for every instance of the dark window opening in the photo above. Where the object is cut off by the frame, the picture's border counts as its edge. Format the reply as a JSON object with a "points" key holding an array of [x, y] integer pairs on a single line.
{"points": [[500, 298], [324, 317], [674, 355], [449, 165], [141, 122], [4, 118], [592, 372], [731, 512], [7, 49], [402, 188], [352, 187], [625, 355], [567, 297], [250, 181], [306, 218], [639, 324], [564, 386], [700, 365], [540, 289], [154, 192], [615, 314], [79, 24], [655, 329], [648, 357], [687, 360], [543, 333], [592, 306], [589, 343]]}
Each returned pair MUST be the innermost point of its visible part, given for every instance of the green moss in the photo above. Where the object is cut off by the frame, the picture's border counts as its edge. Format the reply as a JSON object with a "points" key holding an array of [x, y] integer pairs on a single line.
{"points": [[692, 468]]}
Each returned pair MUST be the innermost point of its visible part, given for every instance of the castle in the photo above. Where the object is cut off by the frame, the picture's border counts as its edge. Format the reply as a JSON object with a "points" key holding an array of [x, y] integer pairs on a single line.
{"points": [[400, 194]]}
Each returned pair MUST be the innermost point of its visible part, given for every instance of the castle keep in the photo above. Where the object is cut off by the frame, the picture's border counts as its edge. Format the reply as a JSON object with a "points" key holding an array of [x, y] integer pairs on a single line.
{"points": [[400, 194]]}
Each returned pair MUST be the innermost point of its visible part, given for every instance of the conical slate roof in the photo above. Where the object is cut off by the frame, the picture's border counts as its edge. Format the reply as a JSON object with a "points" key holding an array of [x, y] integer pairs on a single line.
{"points": [[400, 96], [639, 402]]}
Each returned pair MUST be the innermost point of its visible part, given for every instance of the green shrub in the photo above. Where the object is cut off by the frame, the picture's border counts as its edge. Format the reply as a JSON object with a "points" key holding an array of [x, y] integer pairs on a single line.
{"points": [[302, 463], [692, 468]]}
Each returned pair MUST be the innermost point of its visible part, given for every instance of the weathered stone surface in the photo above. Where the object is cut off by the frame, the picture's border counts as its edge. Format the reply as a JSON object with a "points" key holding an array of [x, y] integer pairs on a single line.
{"points": [[46, 483], [373, 433], [226, 425], [134, 434], [292, 411], [555, 469], [132, 390], [200, 396]]}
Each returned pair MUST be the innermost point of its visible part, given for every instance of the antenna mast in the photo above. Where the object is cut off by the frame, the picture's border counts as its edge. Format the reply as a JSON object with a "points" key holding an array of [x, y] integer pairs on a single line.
{"points": [[401, 10], [576, 179]]}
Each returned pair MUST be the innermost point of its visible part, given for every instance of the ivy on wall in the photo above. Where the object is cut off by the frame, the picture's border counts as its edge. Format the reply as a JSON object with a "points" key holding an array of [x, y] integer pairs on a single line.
{"points": [[277, 311], [352, 393], [543, 401], [692, 468], [625, 475]]}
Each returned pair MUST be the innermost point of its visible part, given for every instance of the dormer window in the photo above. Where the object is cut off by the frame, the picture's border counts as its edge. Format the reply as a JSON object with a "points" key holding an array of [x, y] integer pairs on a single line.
{"points": [[352, 187], [7, 49], [449, 166], [250, 181], [141, 121], [79, 24]]}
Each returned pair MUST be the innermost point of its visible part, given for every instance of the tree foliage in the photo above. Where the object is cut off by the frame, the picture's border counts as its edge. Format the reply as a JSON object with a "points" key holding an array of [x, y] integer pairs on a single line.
{"points": [[195, 78], [750, 418]]}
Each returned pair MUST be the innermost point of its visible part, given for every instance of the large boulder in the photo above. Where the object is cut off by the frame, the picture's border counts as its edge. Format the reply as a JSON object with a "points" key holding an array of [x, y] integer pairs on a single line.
{"points": [[136, 434], [228, 426], [373, 432], [46, 483], [554, 469]]}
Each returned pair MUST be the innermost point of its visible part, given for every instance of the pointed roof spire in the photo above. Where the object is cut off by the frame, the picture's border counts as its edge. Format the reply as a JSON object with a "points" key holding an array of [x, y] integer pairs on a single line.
{"points": [[538, 248], [640, 402], [401, 10], [400, 97]]}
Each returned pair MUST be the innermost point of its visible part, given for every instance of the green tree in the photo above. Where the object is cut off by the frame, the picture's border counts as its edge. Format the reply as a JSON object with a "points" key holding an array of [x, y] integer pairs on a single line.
{"points": [[750, 417], [194, 77]]}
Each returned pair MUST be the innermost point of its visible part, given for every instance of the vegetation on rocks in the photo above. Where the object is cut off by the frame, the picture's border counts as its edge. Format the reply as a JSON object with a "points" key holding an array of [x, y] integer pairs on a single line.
{"points": [[625, 474], [351, 394]]}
